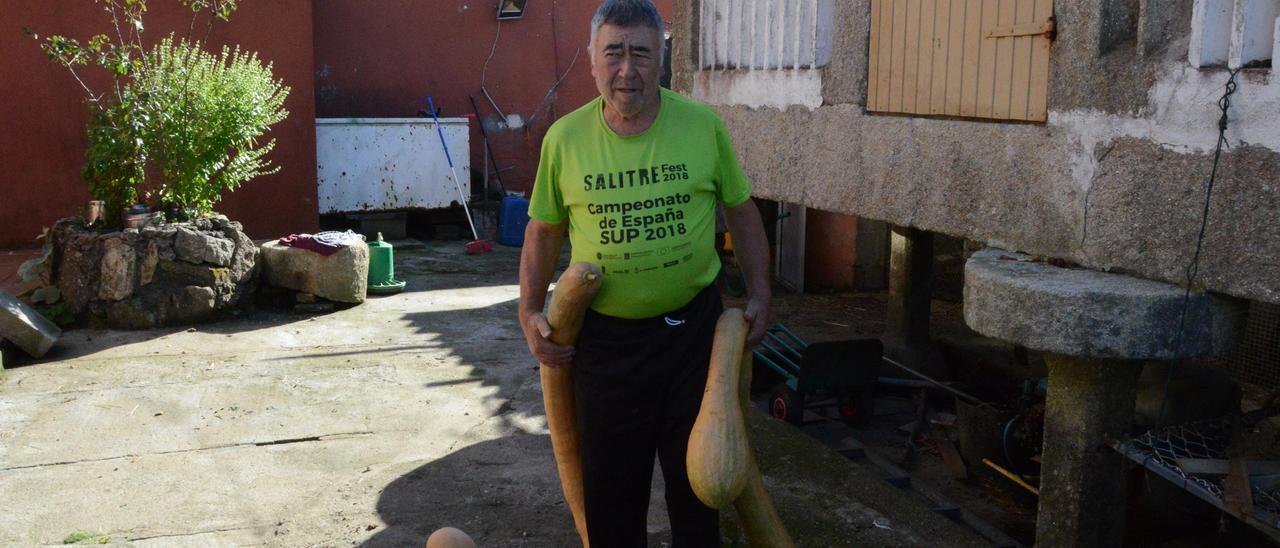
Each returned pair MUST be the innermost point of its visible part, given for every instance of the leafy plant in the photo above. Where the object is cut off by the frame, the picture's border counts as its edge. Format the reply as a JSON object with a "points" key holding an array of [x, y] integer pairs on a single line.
{"points": [[176, 126], [116, 159], [204, 132]]}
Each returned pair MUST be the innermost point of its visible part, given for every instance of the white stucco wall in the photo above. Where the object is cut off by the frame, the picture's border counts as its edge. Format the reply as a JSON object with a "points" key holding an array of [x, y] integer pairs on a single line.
{"points": [[778, 89], [1181, 115]]}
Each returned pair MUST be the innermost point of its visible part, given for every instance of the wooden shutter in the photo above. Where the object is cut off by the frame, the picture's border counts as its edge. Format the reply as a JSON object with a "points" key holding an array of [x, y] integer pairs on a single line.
{"points": [[970, 58]]}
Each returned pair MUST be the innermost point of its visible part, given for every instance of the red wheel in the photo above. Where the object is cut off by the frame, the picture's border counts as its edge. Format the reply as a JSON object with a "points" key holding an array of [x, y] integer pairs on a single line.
{"points": [[779, 408], [786, 404]]}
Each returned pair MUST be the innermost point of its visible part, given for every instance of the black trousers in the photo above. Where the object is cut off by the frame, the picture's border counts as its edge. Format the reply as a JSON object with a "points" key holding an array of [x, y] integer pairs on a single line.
{"points": [[638, 385]]}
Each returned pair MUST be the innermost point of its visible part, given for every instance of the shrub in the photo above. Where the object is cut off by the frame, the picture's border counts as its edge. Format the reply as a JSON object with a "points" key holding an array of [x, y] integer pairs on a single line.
{"points": [[177, 126], [206, 115]]}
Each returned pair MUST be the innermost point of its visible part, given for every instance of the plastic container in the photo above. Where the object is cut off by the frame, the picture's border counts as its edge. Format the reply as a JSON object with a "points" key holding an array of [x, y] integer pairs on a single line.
{"points": [[512, 219], [382, 272]]}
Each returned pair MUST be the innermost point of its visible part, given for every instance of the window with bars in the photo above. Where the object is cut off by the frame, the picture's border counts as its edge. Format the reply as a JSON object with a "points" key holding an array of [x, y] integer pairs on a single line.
{"points": [[764, 34], [1235, 33]]}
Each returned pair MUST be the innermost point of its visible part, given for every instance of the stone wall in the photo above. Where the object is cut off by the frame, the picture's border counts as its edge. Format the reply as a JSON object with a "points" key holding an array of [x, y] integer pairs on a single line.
{"points": [[1115, 180], [172, 274]]}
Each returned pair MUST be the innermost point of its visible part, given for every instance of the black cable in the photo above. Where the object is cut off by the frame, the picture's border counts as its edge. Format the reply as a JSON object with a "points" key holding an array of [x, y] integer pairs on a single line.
{"points": [[1193, 269], [1225, 105], [493, 160]]}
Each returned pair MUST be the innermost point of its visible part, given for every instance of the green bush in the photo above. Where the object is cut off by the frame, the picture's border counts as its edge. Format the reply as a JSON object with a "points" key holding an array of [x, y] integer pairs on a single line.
{"points": [[177, 126], [205, 117], [116, 160]]}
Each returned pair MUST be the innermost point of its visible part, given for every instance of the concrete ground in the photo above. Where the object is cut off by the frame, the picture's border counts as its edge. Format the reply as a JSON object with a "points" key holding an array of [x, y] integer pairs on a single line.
{"points": [[370, 426]]}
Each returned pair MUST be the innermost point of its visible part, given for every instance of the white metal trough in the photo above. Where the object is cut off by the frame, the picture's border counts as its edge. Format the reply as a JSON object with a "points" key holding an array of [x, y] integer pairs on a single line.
{"points": [[385, 164]]}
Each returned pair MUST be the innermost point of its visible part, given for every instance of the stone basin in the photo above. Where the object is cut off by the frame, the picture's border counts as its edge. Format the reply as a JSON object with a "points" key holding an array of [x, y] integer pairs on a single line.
{"points": [[1090, 314]]}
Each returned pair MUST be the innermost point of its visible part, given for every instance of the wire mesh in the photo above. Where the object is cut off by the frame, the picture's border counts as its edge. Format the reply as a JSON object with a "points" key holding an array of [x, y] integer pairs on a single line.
{"points": [[1201, 440], [1256, 358]]}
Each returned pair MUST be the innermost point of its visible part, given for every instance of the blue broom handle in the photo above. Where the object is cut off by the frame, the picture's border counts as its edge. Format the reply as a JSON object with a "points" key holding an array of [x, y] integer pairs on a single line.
{"points": [[431, 105]]}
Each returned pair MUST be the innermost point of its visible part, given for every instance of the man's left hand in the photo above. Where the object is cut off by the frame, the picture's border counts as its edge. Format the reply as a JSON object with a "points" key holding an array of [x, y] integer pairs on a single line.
{"points": [[756, 314]]}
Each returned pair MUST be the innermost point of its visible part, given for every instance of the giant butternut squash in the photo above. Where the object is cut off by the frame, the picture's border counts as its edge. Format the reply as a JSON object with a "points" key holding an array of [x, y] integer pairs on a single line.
{"points": [[573, 294], [760, 522], [718, 454]]}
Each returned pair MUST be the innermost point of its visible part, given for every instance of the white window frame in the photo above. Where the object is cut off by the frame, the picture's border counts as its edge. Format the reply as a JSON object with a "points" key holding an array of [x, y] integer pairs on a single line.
{"points": [[1234, 33], [763, 52]]}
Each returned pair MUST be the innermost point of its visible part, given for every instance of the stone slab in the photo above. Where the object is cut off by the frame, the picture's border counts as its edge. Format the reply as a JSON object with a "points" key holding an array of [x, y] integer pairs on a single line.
{"points": [[196, 247], [1090, 314], [117, 271], [341, 277], [25, 327]]}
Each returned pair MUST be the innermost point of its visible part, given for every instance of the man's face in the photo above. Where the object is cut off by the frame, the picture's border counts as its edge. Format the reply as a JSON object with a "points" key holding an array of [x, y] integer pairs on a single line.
{"points": [[626, 63]]}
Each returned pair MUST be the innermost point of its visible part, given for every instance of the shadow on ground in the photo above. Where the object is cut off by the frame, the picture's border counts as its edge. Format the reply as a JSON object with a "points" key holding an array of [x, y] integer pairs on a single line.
{"points": [[78, 342], [502, 492], [489, 342]]}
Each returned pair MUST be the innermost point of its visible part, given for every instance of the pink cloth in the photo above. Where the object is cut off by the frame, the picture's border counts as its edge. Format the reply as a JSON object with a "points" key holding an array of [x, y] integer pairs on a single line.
{"points": [[307, 241]]}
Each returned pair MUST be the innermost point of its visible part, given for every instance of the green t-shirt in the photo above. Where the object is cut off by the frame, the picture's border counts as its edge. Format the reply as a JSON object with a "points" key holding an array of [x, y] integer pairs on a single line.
{"points": [[642, 206]]}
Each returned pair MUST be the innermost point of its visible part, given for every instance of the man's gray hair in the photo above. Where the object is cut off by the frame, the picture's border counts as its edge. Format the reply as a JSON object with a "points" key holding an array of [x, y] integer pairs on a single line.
{"points": [[627, 13]]}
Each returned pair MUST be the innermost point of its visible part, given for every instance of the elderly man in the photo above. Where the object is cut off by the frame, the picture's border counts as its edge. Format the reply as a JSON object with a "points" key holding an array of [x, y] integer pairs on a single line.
{"points": [[634, 177]]}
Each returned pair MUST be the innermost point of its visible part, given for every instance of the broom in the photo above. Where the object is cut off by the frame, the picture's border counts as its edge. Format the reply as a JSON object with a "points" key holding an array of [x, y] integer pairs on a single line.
{"points": [[476, 246]]}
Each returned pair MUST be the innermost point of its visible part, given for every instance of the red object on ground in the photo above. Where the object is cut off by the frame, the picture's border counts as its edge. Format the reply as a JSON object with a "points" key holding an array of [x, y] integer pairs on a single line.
{"points": [[479, 246]]}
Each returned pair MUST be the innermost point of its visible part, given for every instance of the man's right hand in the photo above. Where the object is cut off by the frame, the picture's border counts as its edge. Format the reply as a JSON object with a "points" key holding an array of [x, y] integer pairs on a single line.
{"points": [[537, 333]]}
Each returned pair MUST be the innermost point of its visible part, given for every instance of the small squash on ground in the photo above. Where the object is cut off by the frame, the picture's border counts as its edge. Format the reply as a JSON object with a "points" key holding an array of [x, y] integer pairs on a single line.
{"points": [[449, 537], [718, 454], [573, 294]]}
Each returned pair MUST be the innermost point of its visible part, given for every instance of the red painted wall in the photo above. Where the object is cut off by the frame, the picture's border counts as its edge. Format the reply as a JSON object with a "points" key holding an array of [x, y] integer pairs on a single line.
{"points": [[830, 250], [42, 117], [380, 58]]}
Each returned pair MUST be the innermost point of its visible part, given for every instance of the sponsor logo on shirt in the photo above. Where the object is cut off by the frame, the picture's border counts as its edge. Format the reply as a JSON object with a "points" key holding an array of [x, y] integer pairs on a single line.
{"points": [[665, 173]]}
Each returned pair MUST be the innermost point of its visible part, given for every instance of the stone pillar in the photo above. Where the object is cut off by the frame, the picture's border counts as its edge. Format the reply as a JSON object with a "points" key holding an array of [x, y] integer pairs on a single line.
{"points": [[1082, 488], [1096, 329], [906, 336], [910, 286], [871, 256]]}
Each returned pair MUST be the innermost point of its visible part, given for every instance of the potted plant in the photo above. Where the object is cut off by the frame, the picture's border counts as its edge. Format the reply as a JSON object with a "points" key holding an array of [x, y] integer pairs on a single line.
{"points": [[176, 127]]}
